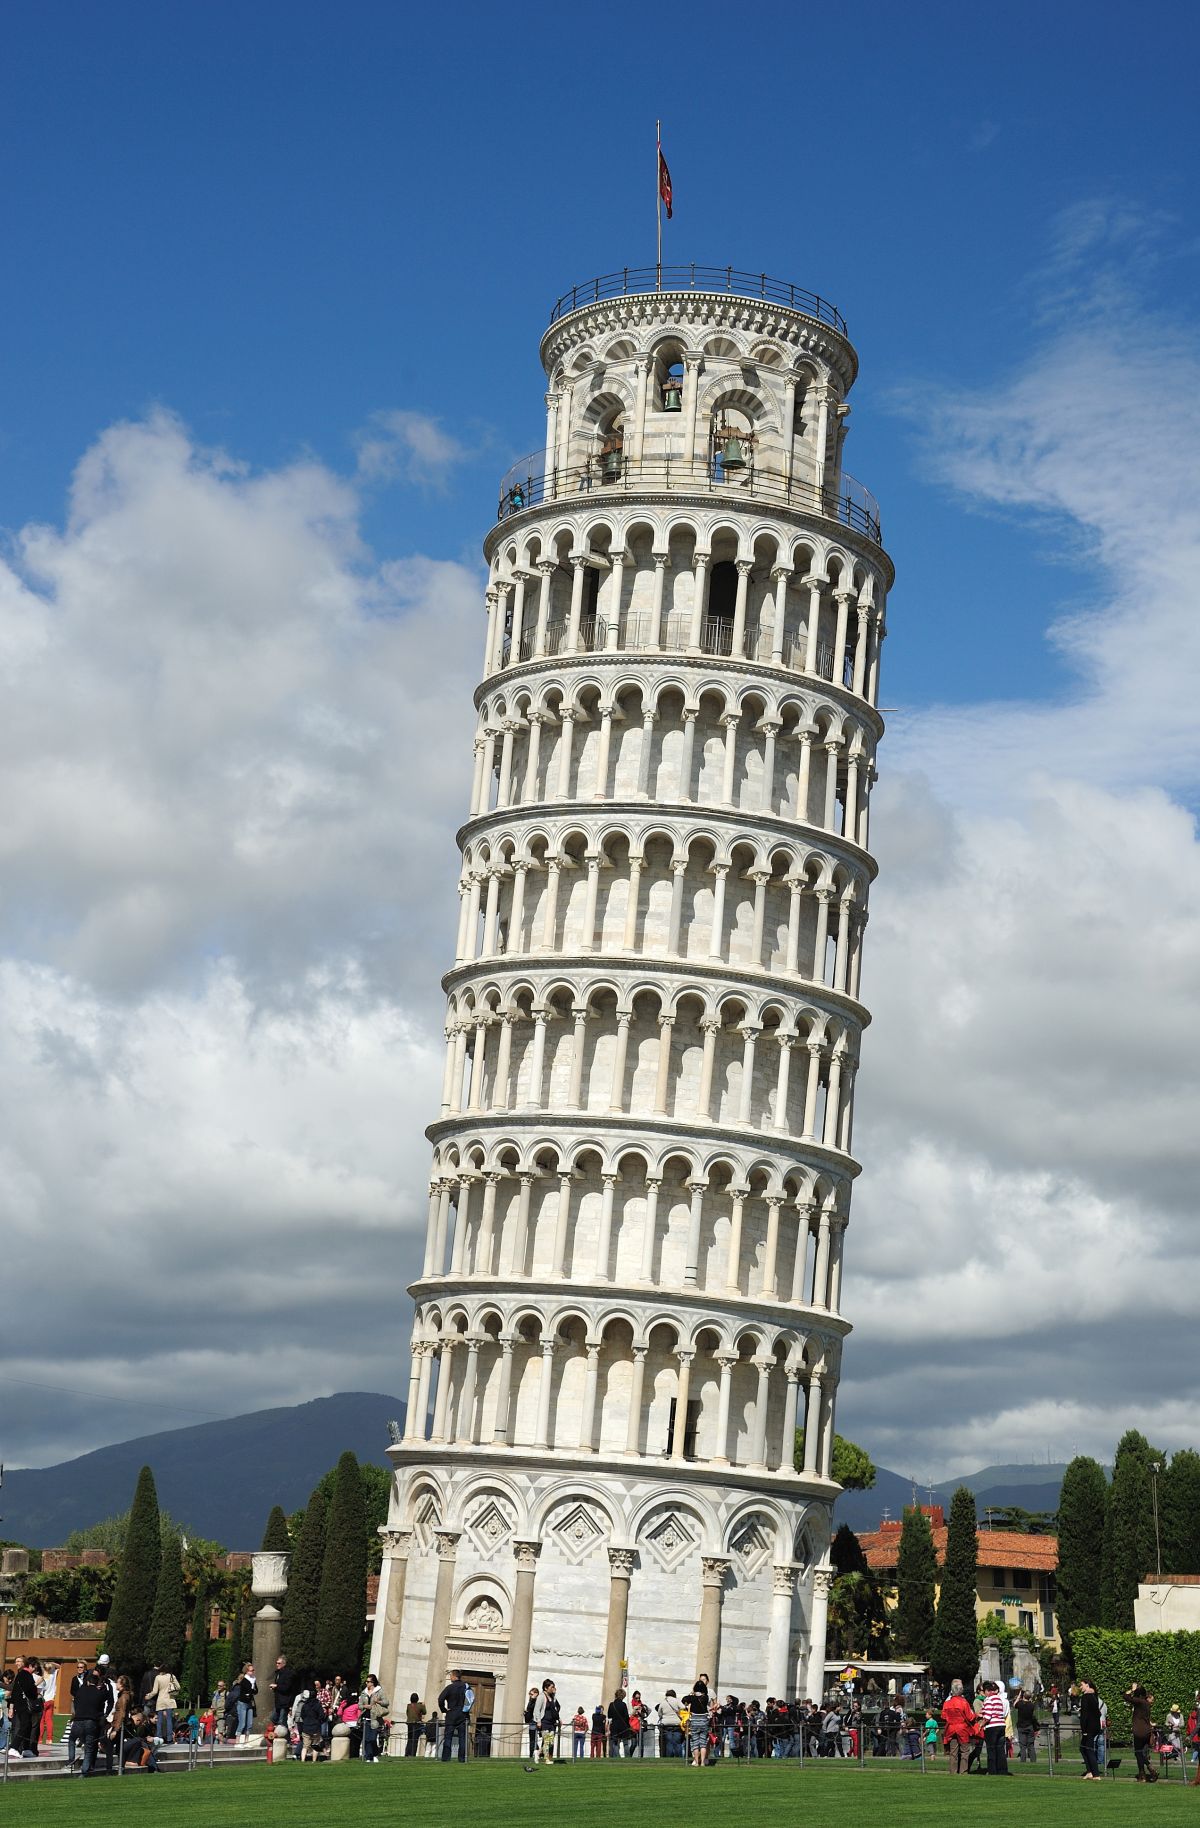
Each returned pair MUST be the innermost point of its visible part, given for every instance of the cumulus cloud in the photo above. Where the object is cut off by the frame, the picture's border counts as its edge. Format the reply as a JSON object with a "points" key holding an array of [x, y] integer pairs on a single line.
{"points": [[1024, 1227], [235, 749], [408, 446]]}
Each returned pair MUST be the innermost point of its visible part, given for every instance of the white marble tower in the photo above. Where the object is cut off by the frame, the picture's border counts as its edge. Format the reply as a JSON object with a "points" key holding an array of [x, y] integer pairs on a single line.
{"points": [[631, 1293]]}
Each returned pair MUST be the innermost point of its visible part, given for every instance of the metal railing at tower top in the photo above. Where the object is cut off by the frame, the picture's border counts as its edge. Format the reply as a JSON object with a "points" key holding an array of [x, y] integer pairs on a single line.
{"points": [[700, 279], [528, 484]]}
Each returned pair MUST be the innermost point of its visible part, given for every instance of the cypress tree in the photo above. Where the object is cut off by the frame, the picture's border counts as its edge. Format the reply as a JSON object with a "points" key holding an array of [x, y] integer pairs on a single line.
{"points": [[276, 1535], [237, 1643], [342, 1606], [302, 1598], [1129, 1532], [1179, 1513], [1082, 1507], [846, 1552], [168, 1622], [955, 1647], [916, 1575], [194, 1680], [137, 1583]]}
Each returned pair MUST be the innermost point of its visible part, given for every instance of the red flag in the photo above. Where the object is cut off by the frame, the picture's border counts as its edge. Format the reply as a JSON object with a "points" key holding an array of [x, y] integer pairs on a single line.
{"points": [[664, 182]]}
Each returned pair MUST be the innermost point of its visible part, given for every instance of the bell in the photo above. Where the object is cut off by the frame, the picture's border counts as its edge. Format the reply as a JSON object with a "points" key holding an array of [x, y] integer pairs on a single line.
{"points": [[672, 397], [610, 466], [733, 454]]}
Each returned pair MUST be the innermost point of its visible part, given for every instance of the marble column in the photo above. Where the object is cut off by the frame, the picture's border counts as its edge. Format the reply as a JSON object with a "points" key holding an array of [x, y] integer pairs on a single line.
{"points": [[713, 1569], [435, 1671], [516, 1675], [393, 1580], [779, 1679], [620, 1572], [814, 1679]]}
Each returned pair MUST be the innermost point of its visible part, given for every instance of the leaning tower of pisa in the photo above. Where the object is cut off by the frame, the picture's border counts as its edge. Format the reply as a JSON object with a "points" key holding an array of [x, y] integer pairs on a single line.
{"points": [[631, 1292]]}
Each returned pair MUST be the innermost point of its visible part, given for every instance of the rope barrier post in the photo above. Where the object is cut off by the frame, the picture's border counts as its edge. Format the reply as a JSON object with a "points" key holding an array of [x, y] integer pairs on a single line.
{"points": [[121, 1751]]}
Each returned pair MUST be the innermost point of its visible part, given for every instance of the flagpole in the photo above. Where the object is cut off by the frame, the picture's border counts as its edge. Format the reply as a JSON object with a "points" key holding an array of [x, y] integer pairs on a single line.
{"points": [[658, 199]]}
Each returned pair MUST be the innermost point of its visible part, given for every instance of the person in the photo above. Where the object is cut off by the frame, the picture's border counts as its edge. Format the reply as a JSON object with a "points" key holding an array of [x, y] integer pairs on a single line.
{"points": [[637, 1717], [1089, 1728], [531, 1701], [414, 1715], [25, 1703], [579, 1731], [727, 1721], [48, 1684], [931, 1734], [672, 1729], [310, 1720], [245, 1689], [958, 1718], [546, 1713], [697, 1704], [597, 1748], [1173, 1727], [1026, 1713], [618, 1726], [119, 1705], [453, 1703], [81, 1670], [995, 1712], [162, 1704], [431, 1735], [375, 1705], [285, 1686], [219, 1707], [831, 1732], [137, 1747], [87, 1720], [1141, 1726], [6, 1677]]}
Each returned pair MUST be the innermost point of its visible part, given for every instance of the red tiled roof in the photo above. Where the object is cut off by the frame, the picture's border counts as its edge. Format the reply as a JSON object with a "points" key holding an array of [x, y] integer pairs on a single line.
{"points": [[996, 1548]]}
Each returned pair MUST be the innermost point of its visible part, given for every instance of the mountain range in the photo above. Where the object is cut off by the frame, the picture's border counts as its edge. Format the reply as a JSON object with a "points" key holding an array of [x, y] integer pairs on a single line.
{"points": [[220, 1479], [217, 1479]]}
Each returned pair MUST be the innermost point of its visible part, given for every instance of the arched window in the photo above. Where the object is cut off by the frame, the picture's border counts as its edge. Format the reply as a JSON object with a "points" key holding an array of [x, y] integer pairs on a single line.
{"points": [[722, 590]]}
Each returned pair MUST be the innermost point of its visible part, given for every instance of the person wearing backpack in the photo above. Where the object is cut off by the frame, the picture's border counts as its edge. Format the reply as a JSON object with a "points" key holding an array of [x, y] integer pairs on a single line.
{"points": [[310, 1720]]}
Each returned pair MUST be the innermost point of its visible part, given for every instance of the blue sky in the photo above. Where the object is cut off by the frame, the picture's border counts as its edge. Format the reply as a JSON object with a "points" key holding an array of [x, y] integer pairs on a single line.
{"points": [[274, 277], [277, 219]]}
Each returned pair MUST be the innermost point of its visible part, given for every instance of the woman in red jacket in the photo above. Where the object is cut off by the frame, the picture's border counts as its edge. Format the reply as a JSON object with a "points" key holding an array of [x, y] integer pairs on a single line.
{"points": [[958, 1717]]}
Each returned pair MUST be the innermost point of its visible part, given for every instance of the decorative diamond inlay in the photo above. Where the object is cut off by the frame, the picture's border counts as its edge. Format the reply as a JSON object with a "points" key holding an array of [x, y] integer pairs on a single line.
{"points": [[577, 1532], [489, 1528], [669, 1539], [753, 1543]]}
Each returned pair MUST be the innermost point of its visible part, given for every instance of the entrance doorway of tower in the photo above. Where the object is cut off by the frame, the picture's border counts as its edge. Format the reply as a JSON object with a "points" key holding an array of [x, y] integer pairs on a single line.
{"points": [[483, 1681]]}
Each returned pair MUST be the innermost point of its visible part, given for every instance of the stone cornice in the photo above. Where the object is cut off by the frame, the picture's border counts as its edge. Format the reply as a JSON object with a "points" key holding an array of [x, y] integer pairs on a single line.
{"points": [[689, 309], [695, 1305], [805, 1488], [569, 1127], [758, 509], [641, 970], [635, 659], [586, 812]]}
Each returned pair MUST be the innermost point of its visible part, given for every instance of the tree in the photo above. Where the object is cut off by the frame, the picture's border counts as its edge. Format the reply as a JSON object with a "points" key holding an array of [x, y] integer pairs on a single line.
{"points": [[137, 1582], [194, 1680], [851, 1464], [1179, 1513], [1082, 1504], [377, 1491], [342, 1606], [1129, 1531], [276, 1536], [916, 1575], [953, 1651], [237, 1643], [846, 1552], [304, 1587], [168, 1622], [1024, 1523]]}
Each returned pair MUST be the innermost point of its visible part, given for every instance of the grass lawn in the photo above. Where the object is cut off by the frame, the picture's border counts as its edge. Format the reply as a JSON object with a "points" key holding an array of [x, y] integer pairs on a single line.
{"points": [[591, 1795]]}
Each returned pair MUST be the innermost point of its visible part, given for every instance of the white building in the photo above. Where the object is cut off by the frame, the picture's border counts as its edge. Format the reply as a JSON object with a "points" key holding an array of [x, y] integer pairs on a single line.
{"points": [[642, 1167]]}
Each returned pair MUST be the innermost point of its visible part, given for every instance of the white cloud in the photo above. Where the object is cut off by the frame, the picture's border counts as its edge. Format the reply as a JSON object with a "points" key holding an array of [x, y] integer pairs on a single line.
{"points": [[234, 754], [1024, 1231], [410, 446]]}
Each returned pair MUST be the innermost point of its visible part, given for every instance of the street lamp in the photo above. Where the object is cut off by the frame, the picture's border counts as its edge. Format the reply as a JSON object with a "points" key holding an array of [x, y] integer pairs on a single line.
{"points": [[1156, 1466]]}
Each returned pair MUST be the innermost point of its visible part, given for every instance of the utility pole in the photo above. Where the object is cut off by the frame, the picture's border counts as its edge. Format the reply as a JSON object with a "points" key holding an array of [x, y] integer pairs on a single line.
{"points": [[1156, 1466]]}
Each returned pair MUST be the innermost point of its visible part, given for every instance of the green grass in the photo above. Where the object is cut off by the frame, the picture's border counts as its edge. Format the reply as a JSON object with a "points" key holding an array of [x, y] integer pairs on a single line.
{"points": [[591, 1795]]}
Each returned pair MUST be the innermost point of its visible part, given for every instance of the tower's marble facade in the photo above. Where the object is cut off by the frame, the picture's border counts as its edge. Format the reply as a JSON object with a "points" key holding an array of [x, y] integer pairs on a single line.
{"points": [[631, 1294]]}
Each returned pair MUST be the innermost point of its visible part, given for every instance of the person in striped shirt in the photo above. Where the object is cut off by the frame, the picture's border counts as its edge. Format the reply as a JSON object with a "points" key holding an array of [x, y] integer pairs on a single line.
{"points": [[995, 1714]]}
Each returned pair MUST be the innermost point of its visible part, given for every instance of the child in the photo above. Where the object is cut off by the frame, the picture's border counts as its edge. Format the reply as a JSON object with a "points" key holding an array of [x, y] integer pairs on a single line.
{"points": [[599, 1728], [932, 1733]]}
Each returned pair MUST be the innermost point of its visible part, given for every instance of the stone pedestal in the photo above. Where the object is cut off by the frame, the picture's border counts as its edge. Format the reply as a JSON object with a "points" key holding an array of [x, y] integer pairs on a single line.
{"points": [[268, 1583], [339, 1743]]}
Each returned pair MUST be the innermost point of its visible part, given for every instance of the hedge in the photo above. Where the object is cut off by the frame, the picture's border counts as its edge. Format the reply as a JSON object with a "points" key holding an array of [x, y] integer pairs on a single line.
{"points": [[1167, 1663]]}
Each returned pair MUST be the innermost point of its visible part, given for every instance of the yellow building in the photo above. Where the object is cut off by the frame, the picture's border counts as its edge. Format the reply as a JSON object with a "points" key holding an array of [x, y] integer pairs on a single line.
{"points": [[1016, 1572]]}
